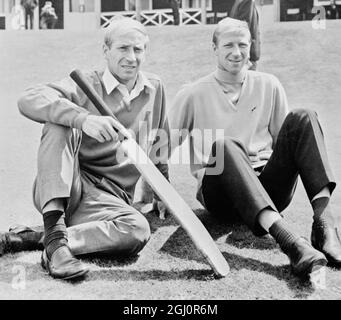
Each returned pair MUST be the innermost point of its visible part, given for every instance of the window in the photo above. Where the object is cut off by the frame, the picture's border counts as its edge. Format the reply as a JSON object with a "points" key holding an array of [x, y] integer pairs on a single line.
{"points": [[82, 5], [188, 4], [130, 5], [264, 2]]}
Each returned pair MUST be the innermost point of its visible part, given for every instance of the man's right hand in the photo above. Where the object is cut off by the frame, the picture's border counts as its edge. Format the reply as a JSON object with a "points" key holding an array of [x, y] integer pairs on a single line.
{"points": [[100, 128]]}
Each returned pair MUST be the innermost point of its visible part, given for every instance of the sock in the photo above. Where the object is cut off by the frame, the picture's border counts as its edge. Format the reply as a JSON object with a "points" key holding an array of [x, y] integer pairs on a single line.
{"points": [[322, 210], [281, 232], [55, 231]]}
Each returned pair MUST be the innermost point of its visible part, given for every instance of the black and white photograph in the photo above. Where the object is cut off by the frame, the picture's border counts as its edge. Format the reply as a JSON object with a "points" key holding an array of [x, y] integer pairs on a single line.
{"points": [[186, 152]]}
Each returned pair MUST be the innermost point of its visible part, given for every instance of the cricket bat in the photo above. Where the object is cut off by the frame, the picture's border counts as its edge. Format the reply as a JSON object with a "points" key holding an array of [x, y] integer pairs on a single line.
{"points": [[173, 201]]}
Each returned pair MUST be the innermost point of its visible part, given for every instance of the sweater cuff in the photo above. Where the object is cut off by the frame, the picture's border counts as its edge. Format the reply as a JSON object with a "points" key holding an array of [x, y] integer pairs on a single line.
{"points": [[79, 120]]}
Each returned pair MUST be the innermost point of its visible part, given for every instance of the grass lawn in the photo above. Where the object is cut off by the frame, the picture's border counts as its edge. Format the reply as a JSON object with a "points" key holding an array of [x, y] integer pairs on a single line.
{"points": [[307, 62]]}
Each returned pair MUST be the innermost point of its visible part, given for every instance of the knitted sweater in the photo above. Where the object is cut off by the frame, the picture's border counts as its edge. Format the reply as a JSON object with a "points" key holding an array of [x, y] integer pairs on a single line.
{"points": [[204, 113]]}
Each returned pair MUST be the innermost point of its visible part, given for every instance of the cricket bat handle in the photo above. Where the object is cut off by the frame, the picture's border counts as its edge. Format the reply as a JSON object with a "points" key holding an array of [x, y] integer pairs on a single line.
{"points": [[98, 102]]}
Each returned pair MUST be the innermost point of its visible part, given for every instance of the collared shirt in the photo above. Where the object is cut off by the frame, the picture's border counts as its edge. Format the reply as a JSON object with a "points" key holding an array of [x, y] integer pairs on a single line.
{"points": [[111, 83]]}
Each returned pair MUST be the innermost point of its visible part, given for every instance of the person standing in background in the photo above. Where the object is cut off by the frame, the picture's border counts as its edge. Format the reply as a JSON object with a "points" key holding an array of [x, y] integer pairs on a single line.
{"points": [[29, 6], [246, 10], [48, 16], [174, 4]]}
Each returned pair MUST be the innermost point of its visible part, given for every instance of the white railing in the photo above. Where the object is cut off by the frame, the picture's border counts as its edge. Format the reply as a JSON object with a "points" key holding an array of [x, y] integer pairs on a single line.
{"points": [[156, 18], [159, 17], [190, 16], [107, 17]]}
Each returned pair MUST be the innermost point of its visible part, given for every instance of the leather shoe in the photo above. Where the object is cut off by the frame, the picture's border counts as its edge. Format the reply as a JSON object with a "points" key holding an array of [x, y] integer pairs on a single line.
{"points": [[4, 243], [63, 265], [11, 242], [20, 228], [304, 259], [32, 237], [326, 239]]}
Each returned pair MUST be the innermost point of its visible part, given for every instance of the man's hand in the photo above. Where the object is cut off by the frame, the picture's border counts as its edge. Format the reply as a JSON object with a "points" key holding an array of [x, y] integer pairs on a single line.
{"points": [[100, 128], [161, 208]]}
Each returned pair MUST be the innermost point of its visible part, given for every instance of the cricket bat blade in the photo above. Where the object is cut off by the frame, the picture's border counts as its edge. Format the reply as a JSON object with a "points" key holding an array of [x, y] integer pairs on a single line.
{"points": [[177, 206]]}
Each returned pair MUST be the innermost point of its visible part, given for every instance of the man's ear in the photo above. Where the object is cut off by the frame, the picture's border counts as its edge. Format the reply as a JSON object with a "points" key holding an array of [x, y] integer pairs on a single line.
{"points": [[214, 47], [105, 50]]}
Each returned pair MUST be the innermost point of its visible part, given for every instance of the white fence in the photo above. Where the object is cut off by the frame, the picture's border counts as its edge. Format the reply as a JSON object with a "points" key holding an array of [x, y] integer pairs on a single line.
{"points": [[155, 17]]}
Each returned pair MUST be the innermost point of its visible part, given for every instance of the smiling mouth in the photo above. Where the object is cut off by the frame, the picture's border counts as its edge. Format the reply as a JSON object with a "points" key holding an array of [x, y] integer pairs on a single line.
{"points": [[129, 67]]}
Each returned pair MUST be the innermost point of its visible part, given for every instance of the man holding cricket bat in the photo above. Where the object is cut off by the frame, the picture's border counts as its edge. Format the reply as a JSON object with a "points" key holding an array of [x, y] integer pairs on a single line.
{"points": [[84, 186], [251, 171]]}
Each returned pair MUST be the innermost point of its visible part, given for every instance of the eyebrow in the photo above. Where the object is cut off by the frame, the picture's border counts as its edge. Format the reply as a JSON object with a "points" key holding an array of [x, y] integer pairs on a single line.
{"points": [[141, 45], [239, 42]]}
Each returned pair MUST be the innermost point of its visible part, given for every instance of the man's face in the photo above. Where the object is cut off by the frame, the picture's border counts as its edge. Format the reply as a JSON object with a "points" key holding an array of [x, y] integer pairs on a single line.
{"points": [[232, 51], [125, 56]]}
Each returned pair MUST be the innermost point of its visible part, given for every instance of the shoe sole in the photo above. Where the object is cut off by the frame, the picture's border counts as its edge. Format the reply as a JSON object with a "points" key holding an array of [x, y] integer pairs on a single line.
{"points": [[311, 269], [317, 278], [331, 261], [74, 276]]}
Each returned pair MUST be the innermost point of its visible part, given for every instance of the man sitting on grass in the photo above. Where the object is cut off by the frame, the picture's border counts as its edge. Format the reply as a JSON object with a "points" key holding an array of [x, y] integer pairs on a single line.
{"points": [[251, 173], [83, 188]]}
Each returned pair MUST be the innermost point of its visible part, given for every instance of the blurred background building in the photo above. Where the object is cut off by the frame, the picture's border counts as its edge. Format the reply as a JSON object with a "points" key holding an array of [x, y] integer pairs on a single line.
{"points": [[90, 14]]}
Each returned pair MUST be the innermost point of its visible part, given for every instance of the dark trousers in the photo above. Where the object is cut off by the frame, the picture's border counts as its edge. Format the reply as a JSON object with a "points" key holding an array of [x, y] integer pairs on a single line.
{"points": [[175, 9], [238, 192], [48, 22], [28, 15]]}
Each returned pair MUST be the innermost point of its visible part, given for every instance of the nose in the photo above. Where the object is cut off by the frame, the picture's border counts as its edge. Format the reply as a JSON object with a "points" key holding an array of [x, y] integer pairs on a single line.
{"points": [[130, 56], [236, 51]]}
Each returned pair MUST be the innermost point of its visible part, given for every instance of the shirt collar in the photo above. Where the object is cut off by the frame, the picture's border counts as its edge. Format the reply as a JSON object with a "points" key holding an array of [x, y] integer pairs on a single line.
{"points": [[111, 83]]}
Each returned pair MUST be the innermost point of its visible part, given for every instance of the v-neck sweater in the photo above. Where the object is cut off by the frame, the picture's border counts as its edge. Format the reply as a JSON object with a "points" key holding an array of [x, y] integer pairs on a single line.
{"points": [[204, 113]]}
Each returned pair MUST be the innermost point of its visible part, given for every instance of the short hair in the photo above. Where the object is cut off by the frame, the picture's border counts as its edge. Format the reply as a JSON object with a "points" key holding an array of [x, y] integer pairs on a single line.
{"points": [[230, 25], [120, 25]]}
